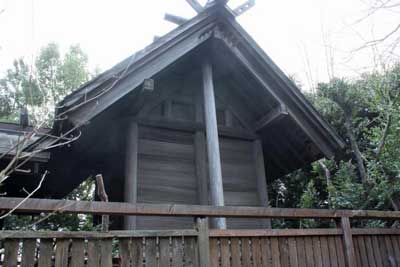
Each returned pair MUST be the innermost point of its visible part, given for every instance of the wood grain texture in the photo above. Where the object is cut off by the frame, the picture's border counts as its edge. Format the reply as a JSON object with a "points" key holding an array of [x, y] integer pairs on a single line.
{"points": [[28, 253], [45, 252], [77, 253], [11, 247], [62, 253]]}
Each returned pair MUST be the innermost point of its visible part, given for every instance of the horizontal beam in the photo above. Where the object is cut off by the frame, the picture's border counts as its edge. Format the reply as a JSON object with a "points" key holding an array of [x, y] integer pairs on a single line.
{"points": [[195, 126], [175, 19], [116, 208], [272, 116], [275, 232]]}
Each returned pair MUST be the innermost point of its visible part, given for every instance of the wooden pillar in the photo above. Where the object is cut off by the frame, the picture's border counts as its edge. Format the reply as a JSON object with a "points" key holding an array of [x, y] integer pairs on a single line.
{"points": [[261, 178], [214, 159], [131, 170], [203, 241], [348, 242]]}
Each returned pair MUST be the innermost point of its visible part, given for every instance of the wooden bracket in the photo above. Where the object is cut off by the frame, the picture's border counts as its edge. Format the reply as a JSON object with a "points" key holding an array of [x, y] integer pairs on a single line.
{"points": [[274, 115]]}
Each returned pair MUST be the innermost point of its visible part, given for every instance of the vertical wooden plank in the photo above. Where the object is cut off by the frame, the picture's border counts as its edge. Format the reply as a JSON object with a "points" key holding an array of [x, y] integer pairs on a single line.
{"points": [[190, 252], [214, 158], [151, 252], [246, 252], [317, 251], [93, 253], [11, 247], [266, 254], [348, 242], [396, 248], [203, 242], [332, 251], [61, 254], [261, 178], [325, 251], [276, 261], [293, 252], [284, 251], [201, 167], [363, 251], [384, 253], [225, 252], [301, 253], [370, 251], [131, 170], [357, 251], [106, 253], [45, 252], [309, 251], [236, 252], [78, 253], [214, 252], [340, 251], [177, 251], [377, 251], [256, 248], [136, 251], [28, 253], [165, 259], [389, 249]]}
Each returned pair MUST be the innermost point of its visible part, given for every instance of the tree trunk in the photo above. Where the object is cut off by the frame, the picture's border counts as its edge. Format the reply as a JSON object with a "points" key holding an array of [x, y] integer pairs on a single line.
{"points": [[354, 146], [382, 142]]}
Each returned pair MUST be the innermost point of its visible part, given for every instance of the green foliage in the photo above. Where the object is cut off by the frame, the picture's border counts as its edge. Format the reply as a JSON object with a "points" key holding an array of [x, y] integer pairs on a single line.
{"points": [[42, 86], [372, 104]]}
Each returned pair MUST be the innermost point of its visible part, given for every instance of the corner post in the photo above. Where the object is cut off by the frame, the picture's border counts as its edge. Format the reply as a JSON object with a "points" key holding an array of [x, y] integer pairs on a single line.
{"points": [[348, 242], [203, 241], [214, 159], [131, 169]]}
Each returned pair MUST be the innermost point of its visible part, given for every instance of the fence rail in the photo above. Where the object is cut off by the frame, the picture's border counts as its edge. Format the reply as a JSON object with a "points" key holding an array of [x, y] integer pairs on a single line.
{"points": [[200, 246]]}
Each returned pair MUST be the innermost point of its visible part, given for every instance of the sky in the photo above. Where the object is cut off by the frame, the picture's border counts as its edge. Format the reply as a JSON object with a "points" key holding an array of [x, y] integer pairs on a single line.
{"points": [[310, 40]]}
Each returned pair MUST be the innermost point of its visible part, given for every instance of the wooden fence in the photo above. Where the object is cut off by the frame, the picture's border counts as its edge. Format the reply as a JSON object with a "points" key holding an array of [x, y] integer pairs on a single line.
{"points": [[201, 246]]}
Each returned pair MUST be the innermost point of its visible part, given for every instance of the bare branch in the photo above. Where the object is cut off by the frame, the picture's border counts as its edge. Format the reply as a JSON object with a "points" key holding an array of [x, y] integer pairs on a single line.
{"points": [[26, 198]]}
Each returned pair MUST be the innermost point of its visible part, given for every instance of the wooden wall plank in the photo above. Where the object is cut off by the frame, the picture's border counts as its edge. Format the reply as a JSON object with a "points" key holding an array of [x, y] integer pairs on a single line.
{"points": [[225, 252], [124, 252], [370, 251], [276, 258], [325, 251], [93, 253], [377, 252], [293, 252], [151, 252], [266, 253], [256, 248], [309, 251], [363, 251], [332, 251], [214, 252], [45, 252], [106, 252], [390, 251], [396, 248], [137, 251], [236, 252], [191, 252], [284, 251], [28, 253], [246, 252], [11, 247], [301, 253], [177, 251], [340, 251], [78, 253], [317, 251], [165, 250], [62, 252]]}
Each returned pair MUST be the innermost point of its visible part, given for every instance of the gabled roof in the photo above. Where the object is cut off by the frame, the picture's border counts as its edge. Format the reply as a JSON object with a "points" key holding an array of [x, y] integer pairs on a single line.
{"points": [[216, 22]]}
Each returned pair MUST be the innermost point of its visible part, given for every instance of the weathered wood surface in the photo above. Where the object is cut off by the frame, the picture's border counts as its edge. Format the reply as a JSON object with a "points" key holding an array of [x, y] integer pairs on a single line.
{"points": [[200, 247], [116, 208]]}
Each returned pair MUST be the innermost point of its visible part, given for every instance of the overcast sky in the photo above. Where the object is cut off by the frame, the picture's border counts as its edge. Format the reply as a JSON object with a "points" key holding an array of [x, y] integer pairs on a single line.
{"points": [[293, 33]]}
